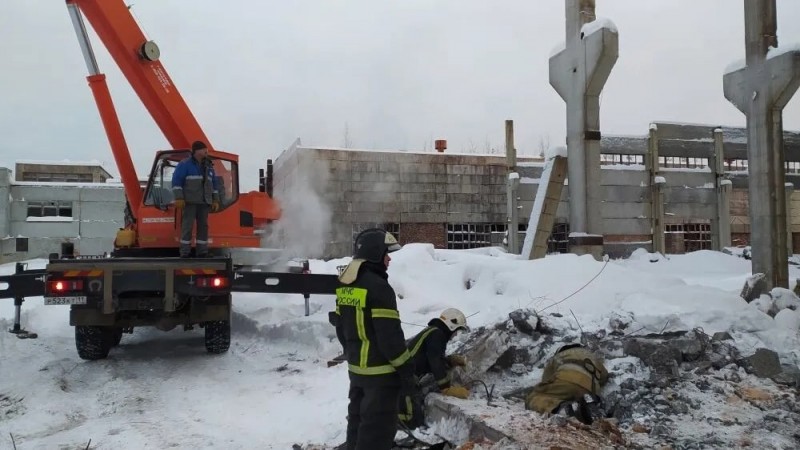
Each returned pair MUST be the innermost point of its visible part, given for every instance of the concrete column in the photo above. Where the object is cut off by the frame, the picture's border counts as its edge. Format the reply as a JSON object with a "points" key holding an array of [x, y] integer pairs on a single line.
{"points": [[656, 193], [5, 204], [512, 189], [760, 90], [578, 73], [789, 241], [721, 225]]}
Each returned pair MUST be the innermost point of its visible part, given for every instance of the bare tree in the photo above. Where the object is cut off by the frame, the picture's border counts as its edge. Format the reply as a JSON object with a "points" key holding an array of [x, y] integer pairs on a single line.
{"points": [[471, 147], [347, 142], [544, 144], [428, 143]]}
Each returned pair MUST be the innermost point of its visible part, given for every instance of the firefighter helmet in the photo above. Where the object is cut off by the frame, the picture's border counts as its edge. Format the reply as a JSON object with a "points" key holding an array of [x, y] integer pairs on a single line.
{"points": [[373, 244], [454, 319]]}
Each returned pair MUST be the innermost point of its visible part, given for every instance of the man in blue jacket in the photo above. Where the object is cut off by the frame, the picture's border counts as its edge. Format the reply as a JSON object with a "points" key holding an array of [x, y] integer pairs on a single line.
{"points": [[196, 191]]}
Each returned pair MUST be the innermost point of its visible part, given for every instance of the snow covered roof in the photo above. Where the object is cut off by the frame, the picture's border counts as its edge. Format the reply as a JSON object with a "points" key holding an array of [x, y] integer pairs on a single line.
{"points": [[65, 162], [107, 184]]}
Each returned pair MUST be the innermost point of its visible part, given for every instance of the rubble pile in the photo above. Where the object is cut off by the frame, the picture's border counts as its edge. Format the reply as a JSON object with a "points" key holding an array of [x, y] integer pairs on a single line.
{"points": [[677, 389]]}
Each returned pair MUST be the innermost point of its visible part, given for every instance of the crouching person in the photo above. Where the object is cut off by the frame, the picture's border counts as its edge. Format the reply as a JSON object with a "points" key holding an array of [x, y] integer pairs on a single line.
{"points": [[571, 385], [432, 367]]}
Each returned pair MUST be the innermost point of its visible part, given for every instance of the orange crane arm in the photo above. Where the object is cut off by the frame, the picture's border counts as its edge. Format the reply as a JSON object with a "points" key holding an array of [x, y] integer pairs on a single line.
{"points": [[137, 58]]}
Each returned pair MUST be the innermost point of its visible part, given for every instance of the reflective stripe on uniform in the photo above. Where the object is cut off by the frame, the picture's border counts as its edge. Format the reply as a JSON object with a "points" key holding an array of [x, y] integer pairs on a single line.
{"points": [[409, 412], [362, 335], [400, 360], [418, 345], [444, 381], [385, 314], [374, 370]]}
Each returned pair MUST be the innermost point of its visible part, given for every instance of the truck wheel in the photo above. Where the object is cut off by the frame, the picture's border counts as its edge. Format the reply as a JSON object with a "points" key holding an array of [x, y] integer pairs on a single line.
{"points": [[116, 336], [218, 336], [92, 342]]}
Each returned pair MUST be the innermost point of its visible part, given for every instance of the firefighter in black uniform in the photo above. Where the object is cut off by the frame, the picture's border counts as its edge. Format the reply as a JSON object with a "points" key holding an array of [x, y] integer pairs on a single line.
{"points": [[368, 324], [427, 351]]}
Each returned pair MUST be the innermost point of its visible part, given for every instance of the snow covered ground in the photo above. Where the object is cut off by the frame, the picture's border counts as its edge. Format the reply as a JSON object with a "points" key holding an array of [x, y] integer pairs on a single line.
{"points": [[273, 388]]}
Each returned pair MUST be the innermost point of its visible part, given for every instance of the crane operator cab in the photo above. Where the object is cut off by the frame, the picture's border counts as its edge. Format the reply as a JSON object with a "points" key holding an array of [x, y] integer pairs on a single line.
{"points": [[158, 192]]}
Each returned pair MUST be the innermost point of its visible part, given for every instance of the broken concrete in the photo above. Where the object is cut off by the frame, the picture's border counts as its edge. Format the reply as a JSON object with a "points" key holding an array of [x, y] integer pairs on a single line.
{"points": [[754, 287], [526, 321], [763, 363], [506, 427], [675, 389]]}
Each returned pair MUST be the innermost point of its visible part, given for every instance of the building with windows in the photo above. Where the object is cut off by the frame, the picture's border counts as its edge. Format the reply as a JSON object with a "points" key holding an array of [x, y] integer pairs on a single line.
{"points": [[451, 200], [36, 216], [459, 201], [61, 172]]}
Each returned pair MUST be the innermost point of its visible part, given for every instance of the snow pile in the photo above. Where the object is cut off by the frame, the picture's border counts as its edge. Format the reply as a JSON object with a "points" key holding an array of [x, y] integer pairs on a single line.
{"points": [[273, 388]]}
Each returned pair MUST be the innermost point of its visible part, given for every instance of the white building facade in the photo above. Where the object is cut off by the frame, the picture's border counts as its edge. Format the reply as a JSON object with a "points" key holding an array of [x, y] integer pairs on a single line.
{"points": [[37, 217]]}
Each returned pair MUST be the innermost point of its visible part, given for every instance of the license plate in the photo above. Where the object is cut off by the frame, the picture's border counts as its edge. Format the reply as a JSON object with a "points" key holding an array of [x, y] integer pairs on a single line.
{"points": [[74, 300]]}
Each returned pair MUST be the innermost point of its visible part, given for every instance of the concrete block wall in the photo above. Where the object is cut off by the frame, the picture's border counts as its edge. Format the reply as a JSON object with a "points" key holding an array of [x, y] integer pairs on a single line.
{"points": [[420, 191], [5, 206], [424, 192]]}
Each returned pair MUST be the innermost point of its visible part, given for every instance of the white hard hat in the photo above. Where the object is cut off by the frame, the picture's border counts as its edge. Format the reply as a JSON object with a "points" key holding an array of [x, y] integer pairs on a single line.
{"points": [[454, 319]]}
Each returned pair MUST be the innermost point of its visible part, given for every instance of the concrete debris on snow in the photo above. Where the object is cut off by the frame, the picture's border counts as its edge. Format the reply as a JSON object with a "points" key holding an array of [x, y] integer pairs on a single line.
{"points": [[679, 389], [693, 364]]}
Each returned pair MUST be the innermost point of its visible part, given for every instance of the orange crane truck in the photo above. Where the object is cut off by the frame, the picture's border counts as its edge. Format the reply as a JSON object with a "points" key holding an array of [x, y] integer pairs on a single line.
{"points": [[142, 281]]}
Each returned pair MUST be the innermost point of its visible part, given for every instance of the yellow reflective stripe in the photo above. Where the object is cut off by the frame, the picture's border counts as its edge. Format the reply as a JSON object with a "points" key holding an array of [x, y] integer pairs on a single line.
{"points": [[418, 345], [375, 370], [362, 335], [409, 413], [400, 360], [385, 314], [337, 310], [351, 296]]}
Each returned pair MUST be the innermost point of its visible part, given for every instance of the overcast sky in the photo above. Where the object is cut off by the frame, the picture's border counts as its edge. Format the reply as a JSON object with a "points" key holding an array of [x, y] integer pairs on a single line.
{"points": [[400, 74]]}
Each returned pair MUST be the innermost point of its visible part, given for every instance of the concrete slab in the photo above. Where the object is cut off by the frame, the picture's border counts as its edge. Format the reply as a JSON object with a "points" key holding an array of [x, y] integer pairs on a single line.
{"points": [[473, 421]]}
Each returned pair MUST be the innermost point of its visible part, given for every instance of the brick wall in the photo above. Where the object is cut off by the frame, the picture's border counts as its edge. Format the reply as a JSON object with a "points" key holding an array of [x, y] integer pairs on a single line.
{"points": [[738, 203], [431, 233], [610, 238], [740, 239]]}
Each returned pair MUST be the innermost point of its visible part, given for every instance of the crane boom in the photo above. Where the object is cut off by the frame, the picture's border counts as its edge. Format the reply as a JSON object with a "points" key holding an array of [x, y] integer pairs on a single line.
{"points": [[138, 59], [153, 223]]}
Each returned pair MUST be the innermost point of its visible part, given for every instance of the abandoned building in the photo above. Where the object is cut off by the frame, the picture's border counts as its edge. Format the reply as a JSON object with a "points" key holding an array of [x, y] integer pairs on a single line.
{"points": [[451, 200], [459, 201]]}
